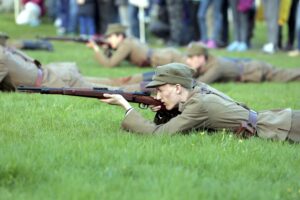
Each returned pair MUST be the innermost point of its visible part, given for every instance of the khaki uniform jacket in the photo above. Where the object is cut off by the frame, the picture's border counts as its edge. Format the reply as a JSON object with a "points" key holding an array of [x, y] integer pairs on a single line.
{"points": [[219, 69], [207, 111], [137, 53], [19, 69]]}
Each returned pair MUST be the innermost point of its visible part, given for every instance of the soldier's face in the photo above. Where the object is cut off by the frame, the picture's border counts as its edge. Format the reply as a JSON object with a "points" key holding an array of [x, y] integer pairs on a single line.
{"points": [[114, 40], [196, 62], [169, 95]]}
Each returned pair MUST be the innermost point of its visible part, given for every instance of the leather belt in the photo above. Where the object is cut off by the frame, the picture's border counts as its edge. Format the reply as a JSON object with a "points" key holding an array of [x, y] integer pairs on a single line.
{"points": [[241, 71], [147, 62], [24, 57], [39, 78], [252, 119]]}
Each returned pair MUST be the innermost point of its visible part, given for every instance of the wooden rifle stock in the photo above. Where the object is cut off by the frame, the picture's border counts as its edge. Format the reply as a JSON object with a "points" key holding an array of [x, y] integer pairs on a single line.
{"points": [[142, 98]]}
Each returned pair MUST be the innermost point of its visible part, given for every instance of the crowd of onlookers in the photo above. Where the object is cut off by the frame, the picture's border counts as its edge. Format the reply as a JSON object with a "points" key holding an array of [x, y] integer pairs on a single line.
{"points": [[177, 22]]}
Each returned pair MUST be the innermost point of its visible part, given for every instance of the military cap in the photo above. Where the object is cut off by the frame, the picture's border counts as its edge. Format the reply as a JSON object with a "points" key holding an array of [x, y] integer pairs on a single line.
{"points": [[196, 49], [3, 38], [172, 73], [115, 28]]}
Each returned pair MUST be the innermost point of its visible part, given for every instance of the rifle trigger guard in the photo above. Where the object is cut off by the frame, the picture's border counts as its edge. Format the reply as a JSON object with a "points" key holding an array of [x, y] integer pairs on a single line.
{"points": [[143, 106]]}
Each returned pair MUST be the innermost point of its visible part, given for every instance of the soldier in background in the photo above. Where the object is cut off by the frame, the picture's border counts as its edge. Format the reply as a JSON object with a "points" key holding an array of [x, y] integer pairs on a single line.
{"points": [[17, 68], [209, 68], [132, 50]]}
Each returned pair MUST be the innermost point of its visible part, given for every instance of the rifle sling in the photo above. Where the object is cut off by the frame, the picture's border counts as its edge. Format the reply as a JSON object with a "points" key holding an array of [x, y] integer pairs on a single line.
{"points": [[26, 58]]}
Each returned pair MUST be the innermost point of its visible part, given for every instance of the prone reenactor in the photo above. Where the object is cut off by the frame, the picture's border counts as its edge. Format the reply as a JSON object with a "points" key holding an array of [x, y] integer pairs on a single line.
{"points": [[201, 109], [17, 68], [210, 69], [132, 50]]}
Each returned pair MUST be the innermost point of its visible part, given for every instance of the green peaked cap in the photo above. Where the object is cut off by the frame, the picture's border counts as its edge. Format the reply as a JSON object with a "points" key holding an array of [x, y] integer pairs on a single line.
{"points": [[196, 49], [172, 73], [115, 28]]}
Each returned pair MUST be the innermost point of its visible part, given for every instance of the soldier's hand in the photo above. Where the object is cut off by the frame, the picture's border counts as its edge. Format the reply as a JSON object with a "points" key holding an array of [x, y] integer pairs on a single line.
{"points": [[154, 108], [104, 45], [116, 99], [92, 44]]}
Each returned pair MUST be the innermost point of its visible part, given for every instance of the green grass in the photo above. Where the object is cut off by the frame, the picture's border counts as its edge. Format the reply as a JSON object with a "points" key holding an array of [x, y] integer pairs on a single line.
{"points": [[59, 147]]}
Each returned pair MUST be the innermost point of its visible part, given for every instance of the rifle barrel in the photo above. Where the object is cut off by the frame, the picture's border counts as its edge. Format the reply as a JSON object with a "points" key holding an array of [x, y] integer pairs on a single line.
{"points": [[134, 97], [99, 41]]}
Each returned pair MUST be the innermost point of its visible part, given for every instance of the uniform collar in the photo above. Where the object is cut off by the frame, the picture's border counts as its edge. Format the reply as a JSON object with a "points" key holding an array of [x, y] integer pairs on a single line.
{"points": [[182, 105]]}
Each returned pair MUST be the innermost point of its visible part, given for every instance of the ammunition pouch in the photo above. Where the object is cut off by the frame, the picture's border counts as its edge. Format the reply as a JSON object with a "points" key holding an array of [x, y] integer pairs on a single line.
{"points": [[163, 117]]}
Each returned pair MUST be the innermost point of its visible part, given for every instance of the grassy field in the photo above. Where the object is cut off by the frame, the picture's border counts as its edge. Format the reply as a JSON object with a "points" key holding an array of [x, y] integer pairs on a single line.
{"points": [[58, 147]]}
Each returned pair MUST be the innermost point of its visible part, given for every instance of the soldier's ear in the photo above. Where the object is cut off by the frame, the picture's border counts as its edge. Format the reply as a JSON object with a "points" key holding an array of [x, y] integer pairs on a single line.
{"points": [[178, 88]]}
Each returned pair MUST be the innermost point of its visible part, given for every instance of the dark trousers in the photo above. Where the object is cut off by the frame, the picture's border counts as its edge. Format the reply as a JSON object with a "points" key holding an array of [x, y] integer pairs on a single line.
{"points": [[291, 27], [224, 33], [87, 25], [106, 13]]}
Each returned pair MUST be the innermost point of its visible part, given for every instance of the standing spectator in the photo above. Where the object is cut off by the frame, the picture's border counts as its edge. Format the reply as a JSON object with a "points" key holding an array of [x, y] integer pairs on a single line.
{"points": [[86, 15], [123, 13], [137, 19], [73, 19], [290, 16], [271, 12], [284, 12], [251, 24], [133, 20], [171, 20], [33, 9], [175, 14], [297, 51], [66, 19], [292, 25], [224, 33], [193, 10], [179, 22], [51, 9], [211, 42], [106, 13], [240, 11], [159, 20]]}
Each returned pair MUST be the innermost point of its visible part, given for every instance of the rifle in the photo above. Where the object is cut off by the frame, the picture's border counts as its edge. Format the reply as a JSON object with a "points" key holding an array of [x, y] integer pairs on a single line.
{"points": [[142, 98], [98, 40]]}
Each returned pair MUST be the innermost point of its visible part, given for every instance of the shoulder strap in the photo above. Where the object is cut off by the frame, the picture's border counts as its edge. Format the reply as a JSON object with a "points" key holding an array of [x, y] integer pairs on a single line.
{"points": [[205, 90], [25, 57]]}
